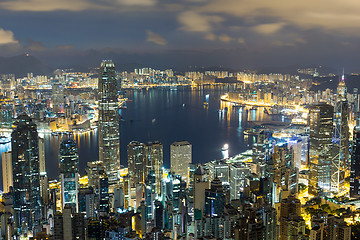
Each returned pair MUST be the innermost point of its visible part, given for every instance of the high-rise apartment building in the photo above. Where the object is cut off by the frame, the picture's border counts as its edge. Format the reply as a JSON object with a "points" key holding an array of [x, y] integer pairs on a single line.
{"points": [[109, 147], [69, 174], [238, 173], [26, 175], [292, 225], [320, 150], [42, 156], [7, 172], [180, 158]]}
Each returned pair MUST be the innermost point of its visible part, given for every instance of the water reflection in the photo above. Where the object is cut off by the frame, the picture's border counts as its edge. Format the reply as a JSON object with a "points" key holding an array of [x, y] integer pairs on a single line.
{"points": [[179, 115]]}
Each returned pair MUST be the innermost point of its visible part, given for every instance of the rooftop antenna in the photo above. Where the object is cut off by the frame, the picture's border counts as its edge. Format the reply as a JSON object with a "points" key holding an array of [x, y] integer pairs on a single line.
{"points": [[343, 76]]}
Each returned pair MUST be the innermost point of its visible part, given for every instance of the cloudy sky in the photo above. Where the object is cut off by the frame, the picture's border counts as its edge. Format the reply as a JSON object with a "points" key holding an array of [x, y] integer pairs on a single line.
{"points": [[233, 33]]}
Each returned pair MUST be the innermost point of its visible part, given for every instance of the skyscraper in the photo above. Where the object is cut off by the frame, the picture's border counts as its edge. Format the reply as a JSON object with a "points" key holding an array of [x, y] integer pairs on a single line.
{"points": [[154, 159], [292, 225], [320, 154], [109, 150], [238, 173], [180, 158], [58, 97], [355, 165], [103, 193], [136, 162], [341, 138], [26, 175], [7, 171], [69, 174]]}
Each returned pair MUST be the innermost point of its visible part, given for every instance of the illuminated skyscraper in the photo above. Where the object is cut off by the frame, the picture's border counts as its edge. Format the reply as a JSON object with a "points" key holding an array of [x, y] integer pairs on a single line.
{"points": [[340, 162], [355, 165], [320, 150], [109, 150], [26, 175], [136, 162], [7, 171], [145, 162], [154, 162], [103, 193], [238, 173], [69, 174], [58, 97], [180, 157]]}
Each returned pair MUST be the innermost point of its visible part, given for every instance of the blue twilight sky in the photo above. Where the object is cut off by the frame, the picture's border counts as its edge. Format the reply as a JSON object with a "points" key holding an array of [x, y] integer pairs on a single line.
{"points": [[177, 33]]}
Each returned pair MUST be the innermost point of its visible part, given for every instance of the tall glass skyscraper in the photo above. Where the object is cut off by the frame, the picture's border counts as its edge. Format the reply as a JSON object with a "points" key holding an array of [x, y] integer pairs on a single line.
{"points": [[136, 162], [320, 151], [109, 149], [154, 163], [26, 175], [341, 139], [355, 165], [69, 174], [145, 162]]}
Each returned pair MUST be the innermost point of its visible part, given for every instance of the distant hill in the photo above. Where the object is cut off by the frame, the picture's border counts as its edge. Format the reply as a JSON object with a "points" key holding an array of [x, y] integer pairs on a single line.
{"points": [[351, 81], [22, 65]]}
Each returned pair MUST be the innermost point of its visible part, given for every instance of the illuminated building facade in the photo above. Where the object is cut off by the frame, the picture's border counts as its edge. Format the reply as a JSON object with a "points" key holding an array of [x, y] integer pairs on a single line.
{"points": [[136, 162], [26, 175], [180, 158], [69, 174], [6, 115], [104, 193], [7, 172], [109, 149], [58, 97], [238, 174], [154, 162], [355, 165], [214, 199], [320, 149], [340, 162], [145, 162]]}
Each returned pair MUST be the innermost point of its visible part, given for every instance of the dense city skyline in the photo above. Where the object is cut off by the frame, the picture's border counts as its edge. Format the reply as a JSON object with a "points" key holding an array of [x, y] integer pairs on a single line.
{"points": [[182, 120], [294, 172]]}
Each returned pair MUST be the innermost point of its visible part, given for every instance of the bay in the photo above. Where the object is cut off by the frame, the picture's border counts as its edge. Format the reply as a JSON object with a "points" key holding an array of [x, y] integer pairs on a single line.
{"points": [[168, 115]]}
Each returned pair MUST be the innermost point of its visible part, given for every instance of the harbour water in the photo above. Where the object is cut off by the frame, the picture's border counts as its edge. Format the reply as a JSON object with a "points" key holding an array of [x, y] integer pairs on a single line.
{"points": [[167, 115]]}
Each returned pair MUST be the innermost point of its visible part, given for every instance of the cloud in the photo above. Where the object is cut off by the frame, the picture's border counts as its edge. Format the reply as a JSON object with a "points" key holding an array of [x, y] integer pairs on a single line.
{"points": [[65, 47], [225, 38], [210, 37], [137, 2], [7, 37], [268, 28], [35, 46], [307, 14], [48, 5], [73, 6], [192, 21], [155, 38], [241, 40]]}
